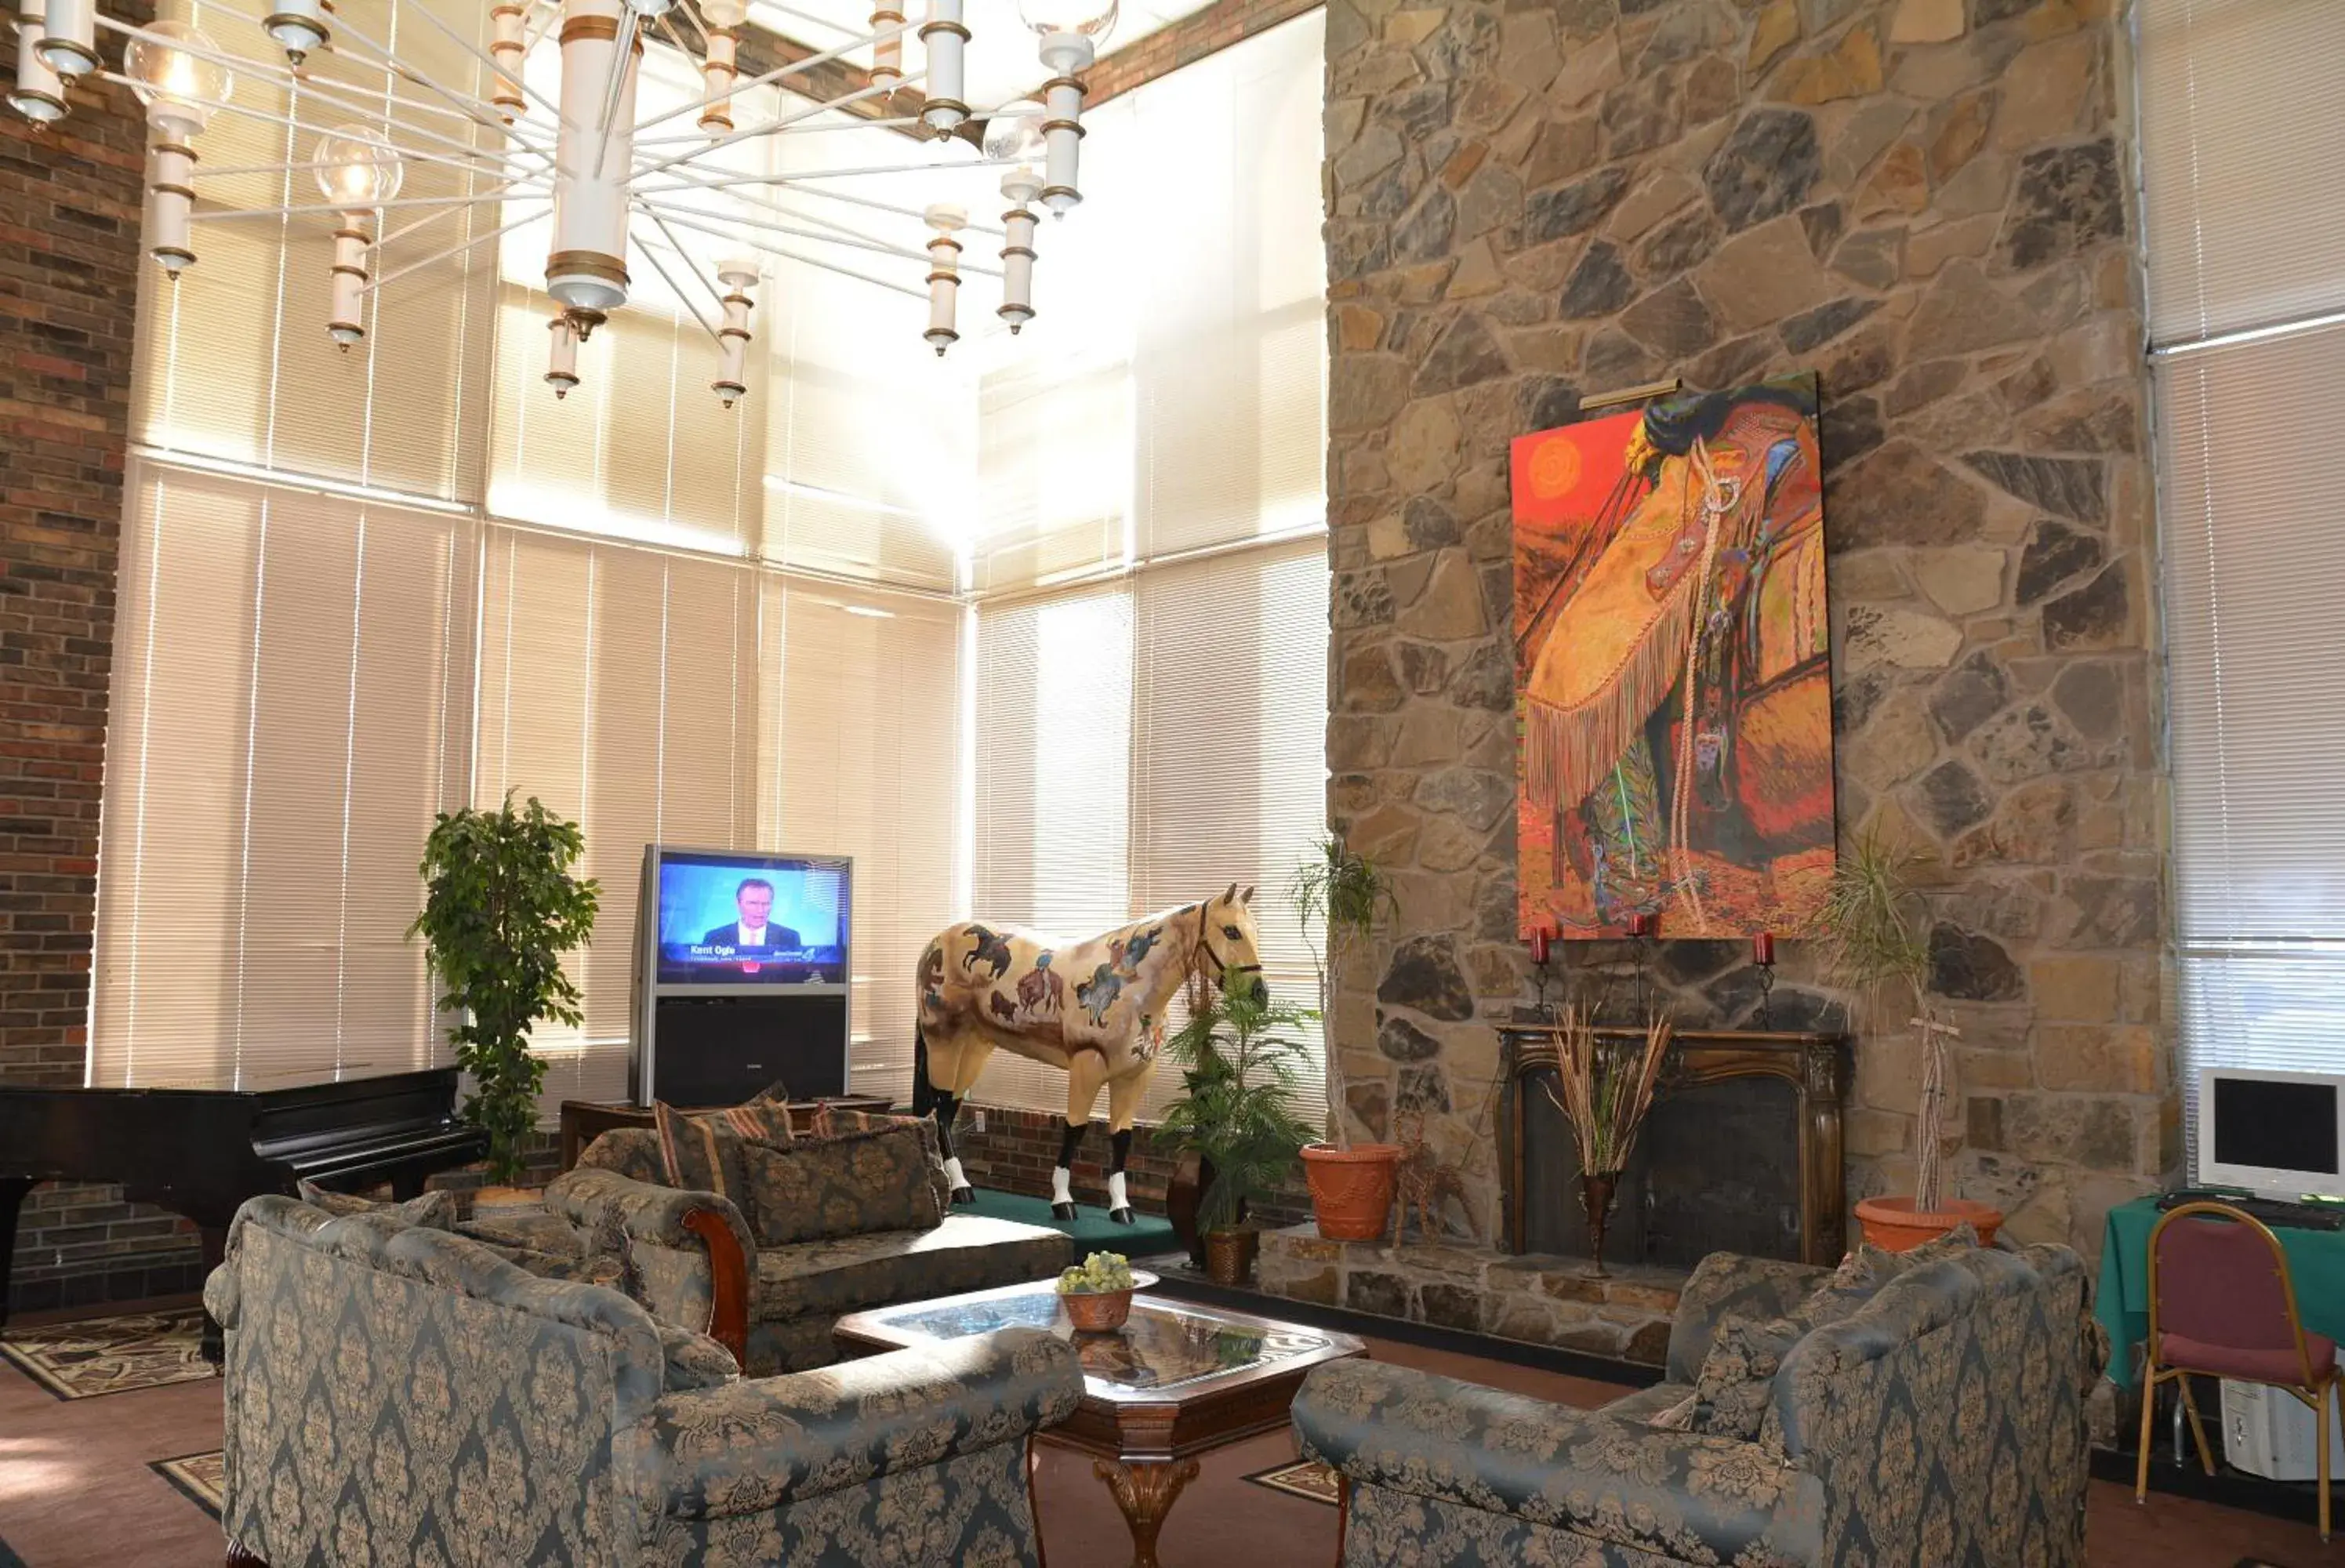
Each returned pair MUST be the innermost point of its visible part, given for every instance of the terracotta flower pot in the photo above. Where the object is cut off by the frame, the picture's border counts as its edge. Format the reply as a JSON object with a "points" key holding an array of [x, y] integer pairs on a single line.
{"points": [[1096, 1311], [1229, 1255], [1895, 1225], [1351, 1189]]}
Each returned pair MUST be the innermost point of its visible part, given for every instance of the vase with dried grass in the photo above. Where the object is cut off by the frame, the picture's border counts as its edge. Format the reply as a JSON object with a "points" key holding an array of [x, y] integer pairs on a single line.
{"points": [[1604, 1087], [1873, 924]]}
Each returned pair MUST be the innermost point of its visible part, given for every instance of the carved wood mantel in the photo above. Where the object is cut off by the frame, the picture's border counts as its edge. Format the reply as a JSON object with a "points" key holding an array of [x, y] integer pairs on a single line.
{"points": [[1815, 1065]]}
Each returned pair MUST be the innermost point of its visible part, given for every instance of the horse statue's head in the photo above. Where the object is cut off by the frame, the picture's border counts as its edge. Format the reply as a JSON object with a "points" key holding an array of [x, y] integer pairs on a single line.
{"points": [[1228, 949]]}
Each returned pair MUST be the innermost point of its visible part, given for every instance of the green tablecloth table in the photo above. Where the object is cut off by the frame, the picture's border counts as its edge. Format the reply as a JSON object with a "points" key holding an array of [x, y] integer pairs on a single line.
{"points": [[2315, 1259]]}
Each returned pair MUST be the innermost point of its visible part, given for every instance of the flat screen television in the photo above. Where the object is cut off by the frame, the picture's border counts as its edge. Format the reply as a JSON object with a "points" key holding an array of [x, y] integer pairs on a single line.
{"points": [[748, 921], [2278, 1133]]}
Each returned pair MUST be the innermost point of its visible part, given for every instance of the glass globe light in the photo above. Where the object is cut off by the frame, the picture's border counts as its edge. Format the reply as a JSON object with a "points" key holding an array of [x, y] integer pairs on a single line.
{"points": [[724, 13], [1084, 18], [180, 90], [357, 169], [1014, 134]]}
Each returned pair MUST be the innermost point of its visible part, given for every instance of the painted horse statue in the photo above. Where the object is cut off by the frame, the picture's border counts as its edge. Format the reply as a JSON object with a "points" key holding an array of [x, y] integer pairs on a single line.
{"points": [[1094, 1007]]}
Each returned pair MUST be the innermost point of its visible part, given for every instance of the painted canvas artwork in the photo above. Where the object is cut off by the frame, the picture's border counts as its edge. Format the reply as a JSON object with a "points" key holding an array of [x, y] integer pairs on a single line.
{"points": [[1672, 667]]}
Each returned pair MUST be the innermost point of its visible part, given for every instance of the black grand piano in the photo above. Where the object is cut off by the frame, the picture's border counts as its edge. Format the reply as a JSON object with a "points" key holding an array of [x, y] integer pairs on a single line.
{"points": [[202, 1152]]}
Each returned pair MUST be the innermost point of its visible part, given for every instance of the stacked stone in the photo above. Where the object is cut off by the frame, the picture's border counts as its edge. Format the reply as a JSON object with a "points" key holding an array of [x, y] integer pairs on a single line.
{"points": [[1924, 201], [1540, 1301]]}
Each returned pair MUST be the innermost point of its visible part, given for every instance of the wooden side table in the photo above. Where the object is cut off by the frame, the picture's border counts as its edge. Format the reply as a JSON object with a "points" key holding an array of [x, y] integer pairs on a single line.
{"points": [[1175, 1380], [584, 1121]]}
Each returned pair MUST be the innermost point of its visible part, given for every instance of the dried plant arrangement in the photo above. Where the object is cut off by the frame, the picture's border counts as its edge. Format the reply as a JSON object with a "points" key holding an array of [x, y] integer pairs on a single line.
{"points": [[1606, 1087]]}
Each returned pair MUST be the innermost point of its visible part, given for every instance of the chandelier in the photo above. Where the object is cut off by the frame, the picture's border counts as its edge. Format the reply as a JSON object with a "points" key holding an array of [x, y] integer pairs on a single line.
{"points": [[613, 192]]}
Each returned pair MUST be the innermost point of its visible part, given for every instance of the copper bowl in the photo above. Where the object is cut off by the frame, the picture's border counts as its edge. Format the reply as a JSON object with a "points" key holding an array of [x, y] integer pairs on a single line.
{"points": [[1102, 1311]]}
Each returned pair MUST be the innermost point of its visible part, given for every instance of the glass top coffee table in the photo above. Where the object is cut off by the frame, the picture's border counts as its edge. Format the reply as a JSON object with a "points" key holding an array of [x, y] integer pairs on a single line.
{"points": [[1175, 1380]]}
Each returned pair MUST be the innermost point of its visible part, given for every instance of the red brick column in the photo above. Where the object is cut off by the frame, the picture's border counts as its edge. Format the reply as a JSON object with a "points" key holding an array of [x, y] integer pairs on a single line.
{"points": [[70, 255]]}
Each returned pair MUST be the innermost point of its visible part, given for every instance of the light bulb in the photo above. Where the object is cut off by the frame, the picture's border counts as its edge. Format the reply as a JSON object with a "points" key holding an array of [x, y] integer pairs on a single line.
{"points": [[724, 13], [180, 90], [1014, 134], [357, 169], [1084, 18]]}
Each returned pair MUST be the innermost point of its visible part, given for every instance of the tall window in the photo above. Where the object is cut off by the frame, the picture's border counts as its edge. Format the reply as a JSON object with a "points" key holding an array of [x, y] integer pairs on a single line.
{"points": [[1150, 566], [2243, 157]]}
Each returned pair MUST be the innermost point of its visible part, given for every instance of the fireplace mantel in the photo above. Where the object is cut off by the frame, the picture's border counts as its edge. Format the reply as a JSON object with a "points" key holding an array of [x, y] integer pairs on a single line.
{"points": [[1815, 1065]]}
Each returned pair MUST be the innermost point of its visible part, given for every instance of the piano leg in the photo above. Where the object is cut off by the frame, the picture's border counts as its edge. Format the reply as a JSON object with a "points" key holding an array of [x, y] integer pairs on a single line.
{"points": [[11, 1196], [215, 1341]]}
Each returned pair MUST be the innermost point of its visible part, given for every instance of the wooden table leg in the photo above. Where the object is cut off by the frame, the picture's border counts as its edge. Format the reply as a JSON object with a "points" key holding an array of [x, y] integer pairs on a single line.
{"points": [[1145, 1493]]}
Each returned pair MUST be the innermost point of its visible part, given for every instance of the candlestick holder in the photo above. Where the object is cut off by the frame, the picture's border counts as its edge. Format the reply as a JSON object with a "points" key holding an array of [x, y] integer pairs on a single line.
{"points": [[1642, 929], [1767, 995]]}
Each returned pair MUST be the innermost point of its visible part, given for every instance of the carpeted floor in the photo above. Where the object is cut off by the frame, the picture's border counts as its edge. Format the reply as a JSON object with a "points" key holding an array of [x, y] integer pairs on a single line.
{"points": [[123, 1481], [1091, 1229]]}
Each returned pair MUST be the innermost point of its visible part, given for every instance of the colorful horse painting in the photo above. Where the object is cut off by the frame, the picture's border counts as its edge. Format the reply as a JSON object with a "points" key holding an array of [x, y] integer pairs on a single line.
{"points": [[1673, 666], [982, 988]]}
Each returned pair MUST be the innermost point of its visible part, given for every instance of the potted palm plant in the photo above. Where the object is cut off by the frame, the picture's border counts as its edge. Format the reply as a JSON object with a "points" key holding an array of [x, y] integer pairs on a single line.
{"points": [[1239, 1057], [500, 909], [1873, 938], [1339, 895]]}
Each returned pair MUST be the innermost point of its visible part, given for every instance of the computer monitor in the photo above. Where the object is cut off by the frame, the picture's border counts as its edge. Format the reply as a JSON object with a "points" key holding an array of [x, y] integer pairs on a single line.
{"points": [[2278, 1133]]}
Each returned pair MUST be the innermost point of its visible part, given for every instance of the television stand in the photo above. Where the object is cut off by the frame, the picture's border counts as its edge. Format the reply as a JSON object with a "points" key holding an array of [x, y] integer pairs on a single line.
{"points": [[2271, 1211]]}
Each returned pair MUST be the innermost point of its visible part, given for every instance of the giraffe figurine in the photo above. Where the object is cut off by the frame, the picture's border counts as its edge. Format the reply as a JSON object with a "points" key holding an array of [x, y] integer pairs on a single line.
{"points": [[1424, 1183]]}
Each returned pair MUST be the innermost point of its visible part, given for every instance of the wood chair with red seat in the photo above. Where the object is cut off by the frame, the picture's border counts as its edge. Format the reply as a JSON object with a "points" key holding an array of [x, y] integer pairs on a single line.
{"points": [[2222, 1304]]}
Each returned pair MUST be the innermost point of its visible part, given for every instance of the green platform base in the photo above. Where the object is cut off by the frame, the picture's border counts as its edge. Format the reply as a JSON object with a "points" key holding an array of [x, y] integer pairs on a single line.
{"points": [[1091, 1229]]}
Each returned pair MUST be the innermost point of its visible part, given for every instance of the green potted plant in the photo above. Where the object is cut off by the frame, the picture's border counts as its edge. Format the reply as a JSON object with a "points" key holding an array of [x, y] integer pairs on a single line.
{"points": [[1340, 893], [1872, 920], [1239, 1058], [500, 909]]}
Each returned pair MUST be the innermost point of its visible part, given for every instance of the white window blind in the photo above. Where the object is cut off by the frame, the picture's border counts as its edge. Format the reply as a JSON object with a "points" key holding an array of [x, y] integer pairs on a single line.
{"points": [[618, 686], [2242, 142], [293, 676], [860, 755], [1051, 834], [2243, 126], [234, 360]]}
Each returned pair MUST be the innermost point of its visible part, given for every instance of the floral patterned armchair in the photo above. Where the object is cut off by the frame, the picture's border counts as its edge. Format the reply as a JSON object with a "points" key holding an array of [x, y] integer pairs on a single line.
{"points": [[1940, 1421], [399, 1394]]}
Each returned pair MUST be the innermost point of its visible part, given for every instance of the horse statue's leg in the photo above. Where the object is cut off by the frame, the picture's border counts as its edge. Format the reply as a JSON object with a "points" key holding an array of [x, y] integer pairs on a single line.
{"points": [[1123, 1097], [1086, 1070], [941, 1073]]}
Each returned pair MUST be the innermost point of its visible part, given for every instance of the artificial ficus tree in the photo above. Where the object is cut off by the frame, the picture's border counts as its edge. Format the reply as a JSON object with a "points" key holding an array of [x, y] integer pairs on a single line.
{"points": [[500, 909]]}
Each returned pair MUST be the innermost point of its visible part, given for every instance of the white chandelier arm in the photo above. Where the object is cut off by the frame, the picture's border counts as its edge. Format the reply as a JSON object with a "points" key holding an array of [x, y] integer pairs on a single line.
{"points": [[793, 68], [987, 229], [850, 124], [651, 253], [768, 209], [233, 213], [623, 57], [485, 59], [680, 250], [483, 114], [816, 174], [734, 192], [691, 14], [430, 217], [375, 283], [490, 163], [792, 256], [856, 241]]}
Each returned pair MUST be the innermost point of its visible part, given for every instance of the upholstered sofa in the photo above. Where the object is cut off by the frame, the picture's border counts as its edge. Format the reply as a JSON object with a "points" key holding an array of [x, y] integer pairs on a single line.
{"points": [[399, 1394], [1940, 1422], [696, 1259]]}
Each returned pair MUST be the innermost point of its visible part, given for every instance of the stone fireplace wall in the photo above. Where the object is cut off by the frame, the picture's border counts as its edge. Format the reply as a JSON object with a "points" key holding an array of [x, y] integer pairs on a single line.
{"points": [[1926, 202]]}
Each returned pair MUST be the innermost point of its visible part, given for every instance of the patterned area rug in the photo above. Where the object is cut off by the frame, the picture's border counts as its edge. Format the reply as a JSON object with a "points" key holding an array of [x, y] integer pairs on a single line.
{"points": [[1308, 1479], [202, 1476], [111, 1355]]}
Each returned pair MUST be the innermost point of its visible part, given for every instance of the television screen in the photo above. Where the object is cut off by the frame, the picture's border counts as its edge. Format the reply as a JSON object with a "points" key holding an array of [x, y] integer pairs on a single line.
{"points": [[2279, 1125], [751, 919]]}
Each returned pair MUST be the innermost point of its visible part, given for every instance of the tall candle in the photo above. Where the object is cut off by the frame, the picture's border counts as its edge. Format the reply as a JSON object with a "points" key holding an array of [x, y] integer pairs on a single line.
{"points": [[1644, 923], [1763, 948], [1539, 944]]}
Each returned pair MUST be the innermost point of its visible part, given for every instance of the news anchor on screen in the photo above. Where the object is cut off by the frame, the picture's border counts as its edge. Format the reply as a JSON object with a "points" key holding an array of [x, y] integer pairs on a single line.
{"points": [[752, 933]]}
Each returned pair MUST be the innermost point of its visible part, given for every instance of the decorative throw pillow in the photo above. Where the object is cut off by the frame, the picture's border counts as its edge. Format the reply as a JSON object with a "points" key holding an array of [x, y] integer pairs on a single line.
{"points": [[1678, 1417], [846, 1185], [433, 1211], [836, 1121], [1738, 1376], [700, 1151], [1884, 1266]]}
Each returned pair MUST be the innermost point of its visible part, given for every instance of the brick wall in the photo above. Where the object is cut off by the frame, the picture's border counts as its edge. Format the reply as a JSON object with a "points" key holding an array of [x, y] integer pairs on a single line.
{"points": [[70, 255]]}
